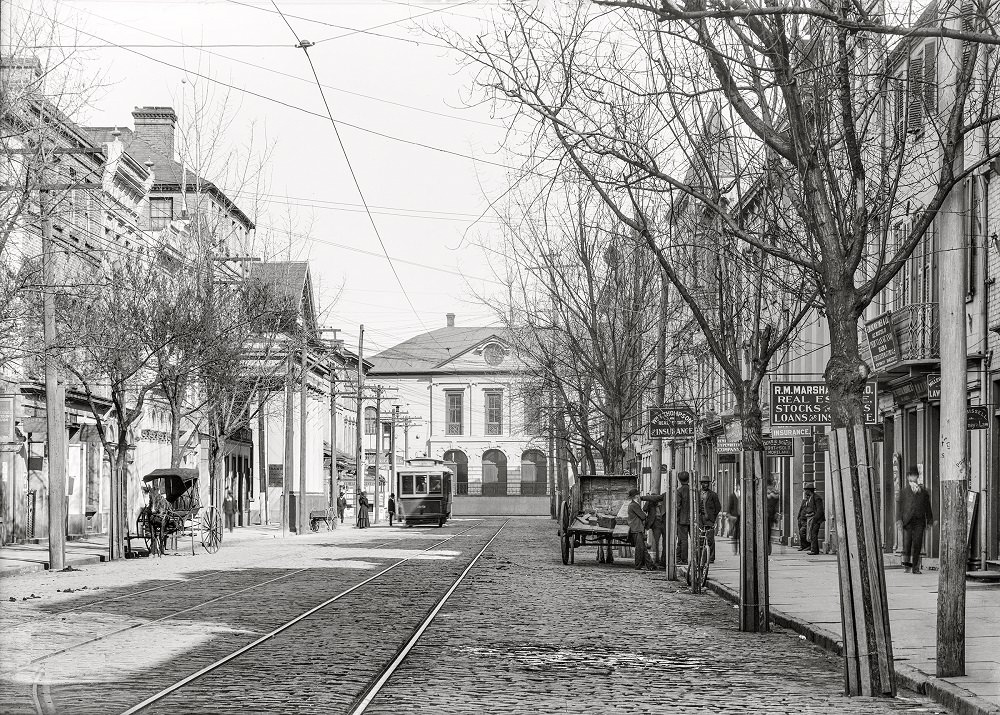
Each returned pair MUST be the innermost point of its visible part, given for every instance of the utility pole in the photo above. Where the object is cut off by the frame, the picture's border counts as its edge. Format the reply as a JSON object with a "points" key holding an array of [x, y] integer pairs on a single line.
{"points": [[359, 456], [378, 445], [334, 477], [303, 514], [55, 406], [954, 456], [289, 468], [262, 454], [392, 450]]}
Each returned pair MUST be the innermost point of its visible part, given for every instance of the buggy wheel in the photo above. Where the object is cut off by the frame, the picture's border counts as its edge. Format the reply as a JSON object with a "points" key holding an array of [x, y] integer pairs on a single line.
{"points": [[211, 530], [564, 543], [564, 517], [144, 528]]}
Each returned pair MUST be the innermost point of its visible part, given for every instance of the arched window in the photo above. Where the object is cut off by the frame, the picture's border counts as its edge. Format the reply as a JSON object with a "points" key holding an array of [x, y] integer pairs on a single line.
{"points": [[461, 461], [369, 420], [494, 473], [534, 473]]}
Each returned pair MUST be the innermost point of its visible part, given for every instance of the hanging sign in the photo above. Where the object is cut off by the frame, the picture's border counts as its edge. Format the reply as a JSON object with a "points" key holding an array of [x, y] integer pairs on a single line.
{"points": [[276, 475], [671, 423], [791, 431], [726, 446], [882, 342], [808, 403], [977, 417]]}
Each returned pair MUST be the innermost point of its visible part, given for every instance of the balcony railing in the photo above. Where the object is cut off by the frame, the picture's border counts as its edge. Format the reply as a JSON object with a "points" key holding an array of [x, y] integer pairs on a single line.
{"points": [[501, 489], [917, 328]]}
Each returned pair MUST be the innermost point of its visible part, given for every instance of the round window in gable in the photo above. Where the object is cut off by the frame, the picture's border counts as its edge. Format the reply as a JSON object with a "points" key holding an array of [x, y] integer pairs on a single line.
{"points": [[494, 354]]}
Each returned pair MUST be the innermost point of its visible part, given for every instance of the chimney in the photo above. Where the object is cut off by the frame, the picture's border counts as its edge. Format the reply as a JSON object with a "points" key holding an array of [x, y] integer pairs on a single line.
{"points": [[451, 320], [155, 126], [20, 73]]}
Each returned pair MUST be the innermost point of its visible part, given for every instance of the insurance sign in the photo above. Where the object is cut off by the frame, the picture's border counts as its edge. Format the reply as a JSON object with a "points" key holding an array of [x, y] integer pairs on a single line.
{"points": [[671, 423], [808, 403]]}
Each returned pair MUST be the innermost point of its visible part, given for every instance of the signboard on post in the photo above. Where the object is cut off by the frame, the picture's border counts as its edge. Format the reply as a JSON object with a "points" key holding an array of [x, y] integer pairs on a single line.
{"points": [[808, 403], [275, 475], [671, 423], [882, 342], [977, 417], [779, 447]]}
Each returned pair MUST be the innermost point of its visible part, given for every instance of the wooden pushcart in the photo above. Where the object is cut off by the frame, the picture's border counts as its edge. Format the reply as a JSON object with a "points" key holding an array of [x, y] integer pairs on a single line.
{"points": [[588, 517]]}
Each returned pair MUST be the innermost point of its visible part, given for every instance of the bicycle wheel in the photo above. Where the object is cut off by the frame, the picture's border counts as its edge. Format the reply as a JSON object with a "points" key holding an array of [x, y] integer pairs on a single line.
{"points": [[703, 564]]}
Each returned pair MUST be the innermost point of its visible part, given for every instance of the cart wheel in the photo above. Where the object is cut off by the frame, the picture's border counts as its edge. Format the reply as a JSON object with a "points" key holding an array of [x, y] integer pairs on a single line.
{"points": [[564, 517], [144, 529], [564, 543], [211, 530]]}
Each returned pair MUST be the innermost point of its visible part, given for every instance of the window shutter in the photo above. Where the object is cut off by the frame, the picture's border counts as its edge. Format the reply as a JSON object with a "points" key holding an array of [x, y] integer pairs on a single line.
{"points": [[914, 109], [968, 25], [899, 107], [930, 78]]}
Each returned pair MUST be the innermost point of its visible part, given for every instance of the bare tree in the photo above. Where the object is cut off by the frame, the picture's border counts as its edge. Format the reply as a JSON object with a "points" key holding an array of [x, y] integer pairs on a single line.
{"points": [[802, 93]]}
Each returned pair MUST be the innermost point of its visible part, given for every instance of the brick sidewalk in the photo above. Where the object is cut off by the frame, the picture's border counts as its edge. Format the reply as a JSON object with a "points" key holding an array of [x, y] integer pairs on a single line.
{"points": [[806, 589]]}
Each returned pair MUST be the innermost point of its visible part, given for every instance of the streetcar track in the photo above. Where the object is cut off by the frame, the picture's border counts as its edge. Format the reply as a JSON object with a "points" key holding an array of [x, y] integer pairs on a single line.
{"points": [[288, 624], [48, 656], [365, 699]]}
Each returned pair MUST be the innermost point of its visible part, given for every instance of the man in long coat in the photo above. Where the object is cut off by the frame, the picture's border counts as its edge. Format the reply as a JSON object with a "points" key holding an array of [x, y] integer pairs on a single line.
{"points": [[683, 516], [915, 515], [637, 529]]}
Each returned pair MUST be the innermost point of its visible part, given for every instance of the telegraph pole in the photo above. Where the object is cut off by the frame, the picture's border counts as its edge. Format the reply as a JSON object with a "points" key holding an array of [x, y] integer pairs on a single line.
{"points": [[334, 477], [378, 445], [55, 405], [359, 475], [954, 390], [289, 468], [392, 450], [302, 512]]}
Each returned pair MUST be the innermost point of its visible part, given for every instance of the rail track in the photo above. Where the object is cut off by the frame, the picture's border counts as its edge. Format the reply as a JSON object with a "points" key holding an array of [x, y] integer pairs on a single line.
{"points": [[358, 704]]}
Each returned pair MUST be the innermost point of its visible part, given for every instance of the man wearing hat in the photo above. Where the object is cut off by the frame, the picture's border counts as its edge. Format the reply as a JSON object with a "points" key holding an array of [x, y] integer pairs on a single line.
{"points": [[683, 516], [915, 515], [637, 528], [709, 510], [810, 519]]}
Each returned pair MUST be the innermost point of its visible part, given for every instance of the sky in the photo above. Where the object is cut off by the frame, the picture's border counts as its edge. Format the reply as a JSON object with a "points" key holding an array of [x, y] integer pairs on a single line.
{"points": [[394, 79]]}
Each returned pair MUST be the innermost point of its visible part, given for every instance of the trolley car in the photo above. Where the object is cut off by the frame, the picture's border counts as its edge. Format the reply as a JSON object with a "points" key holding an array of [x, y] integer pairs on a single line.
{"points": [[423, 495]]}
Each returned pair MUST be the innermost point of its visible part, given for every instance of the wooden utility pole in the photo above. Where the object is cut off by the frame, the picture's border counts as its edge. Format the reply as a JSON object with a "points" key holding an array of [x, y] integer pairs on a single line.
{"points": [[55, 407], [334, 477], [302, 512], [954, 390], [359, 475], [656, 464], [262, 480], [289, 467], [392, 450], [378, 445]]}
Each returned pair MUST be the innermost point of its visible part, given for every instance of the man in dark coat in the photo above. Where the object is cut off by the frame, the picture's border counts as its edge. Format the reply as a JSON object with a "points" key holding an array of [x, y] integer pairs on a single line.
{"points": [[812, 514], [391, 506], [637, 528], [683, 516], [709, 510], [915, 516], [773, 507], [656, 521], [341, 506]]}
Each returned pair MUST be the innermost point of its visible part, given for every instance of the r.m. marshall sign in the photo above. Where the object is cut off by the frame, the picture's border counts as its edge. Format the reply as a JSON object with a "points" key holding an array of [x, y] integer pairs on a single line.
{"points": [[808, 403]]}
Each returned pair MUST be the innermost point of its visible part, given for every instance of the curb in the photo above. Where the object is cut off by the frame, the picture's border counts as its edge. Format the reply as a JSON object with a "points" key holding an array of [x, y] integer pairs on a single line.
{"points": [[956, 699], [44, 566]]}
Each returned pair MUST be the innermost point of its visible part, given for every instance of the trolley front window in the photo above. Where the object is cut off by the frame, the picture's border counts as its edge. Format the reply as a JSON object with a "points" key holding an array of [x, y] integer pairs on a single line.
{"points": [[420, 484]]}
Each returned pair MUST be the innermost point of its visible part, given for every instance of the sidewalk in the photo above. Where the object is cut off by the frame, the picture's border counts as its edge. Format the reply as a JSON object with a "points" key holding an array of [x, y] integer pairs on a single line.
{"points": [[804, 597]]}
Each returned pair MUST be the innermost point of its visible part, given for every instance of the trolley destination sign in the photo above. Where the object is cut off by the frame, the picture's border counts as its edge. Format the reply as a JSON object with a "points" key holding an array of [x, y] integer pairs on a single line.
{"points": [[808, 403], [671, 423]]}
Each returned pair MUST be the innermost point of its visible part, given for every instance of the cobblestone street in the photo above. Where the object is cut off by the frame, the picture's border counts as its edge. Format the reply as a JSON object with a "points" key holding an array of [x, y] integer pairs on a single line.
{"points": [[522, 633]]}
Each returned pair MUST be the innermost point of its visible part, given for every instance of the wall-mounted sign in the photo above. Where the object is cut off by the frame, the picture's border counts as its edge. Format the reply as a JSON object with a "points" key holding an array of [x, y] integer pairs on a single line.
{"points": [[725, 446], [808, 403], [822, 443], [882, 342], [934, 387], [671, 423], [779, 447], [791, 431], [977, 417], [276, 475]]}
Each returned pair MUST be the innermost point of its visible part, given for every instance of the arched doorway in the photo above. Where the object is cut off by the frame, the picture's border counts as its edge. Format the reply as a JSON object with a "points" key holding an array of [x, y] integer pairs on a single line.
{"points": [[534, 473], [461, 461], [494, 473]]}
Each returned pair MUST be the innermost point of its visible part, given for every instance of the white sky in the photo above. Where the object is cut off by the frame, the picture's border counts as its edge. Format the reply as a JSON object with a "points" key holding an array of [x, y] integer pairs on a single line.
{"points": [[440, 194]]}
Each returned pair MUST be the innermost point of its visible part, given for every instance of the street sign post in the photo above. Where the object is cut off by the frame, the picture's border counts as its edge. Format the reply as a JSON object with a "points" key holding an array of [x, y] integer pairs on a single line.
{"points": [[808, 403]]}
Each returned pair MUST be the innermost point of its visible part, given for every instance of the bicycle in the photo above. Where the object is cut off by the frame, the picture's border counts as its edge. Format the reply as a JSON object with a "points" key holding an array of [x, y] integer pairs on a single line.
{"points": [[699, 565]]}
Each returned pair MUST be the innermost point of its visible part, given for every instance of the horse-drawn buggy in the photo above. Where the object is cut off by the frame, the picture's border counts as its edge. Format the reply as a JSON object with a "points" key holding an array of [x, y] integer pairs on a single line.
{"points": [[174, 510], [590, 516]]}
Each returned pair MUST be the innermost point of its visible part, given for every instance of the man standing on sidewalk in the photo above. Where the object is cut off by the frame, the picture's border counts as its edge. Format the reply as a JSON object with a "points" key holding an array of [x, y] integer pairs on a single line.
{"points": [[811, 518], [683, 517], [915, 515], [709, 511]]}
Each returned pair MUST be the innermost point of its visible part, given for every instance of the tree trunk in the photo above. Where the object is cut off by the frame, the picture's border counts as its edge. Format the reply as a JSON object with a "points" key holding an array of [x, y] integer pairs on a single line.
{"points": [[868, 666], [754, 606], [118, 527], [175, 435]]}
